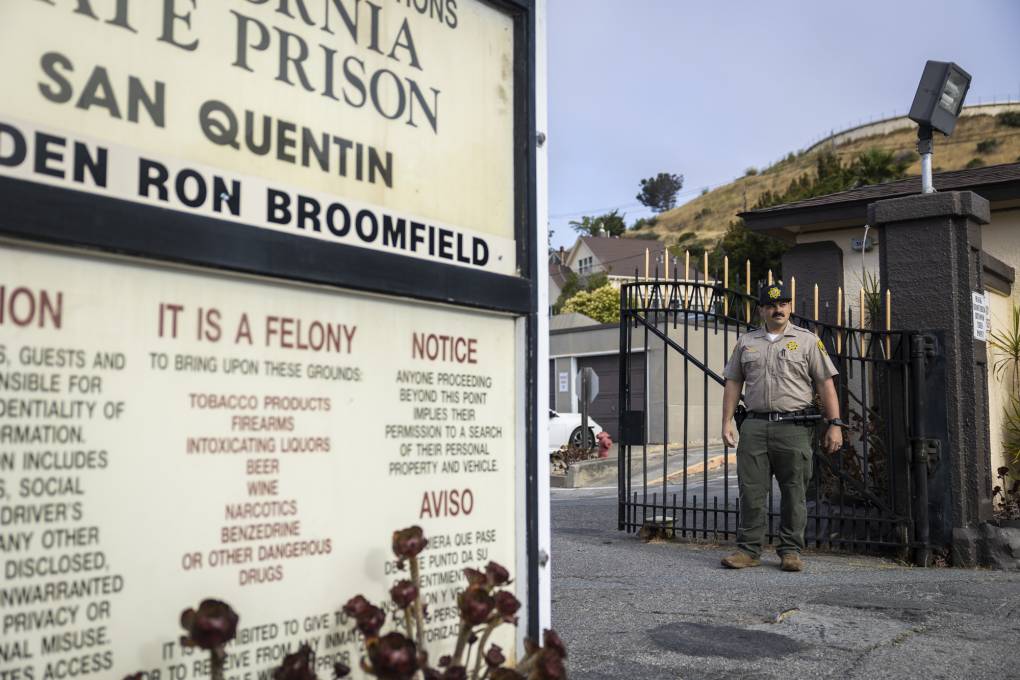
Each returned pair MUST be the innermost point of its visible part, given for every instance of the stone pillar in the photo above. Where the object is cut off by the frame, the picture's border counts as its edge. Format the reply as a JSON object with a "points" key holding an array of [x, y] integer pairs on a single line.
{"points": [[931, 261]]}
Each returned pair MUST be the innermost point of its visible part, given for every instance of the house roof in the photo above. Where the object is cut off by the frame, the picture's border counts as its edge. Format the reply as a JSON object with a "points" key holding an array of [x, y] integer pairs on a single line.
{"points": [[558, 273], [620, 256], [999, 184]]}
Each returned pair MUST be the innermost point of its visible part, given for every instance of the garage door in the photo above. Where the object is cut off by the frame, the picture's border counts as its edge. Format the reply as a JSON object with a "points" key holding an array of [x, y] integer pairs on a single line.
{"points": [[605, 409]]}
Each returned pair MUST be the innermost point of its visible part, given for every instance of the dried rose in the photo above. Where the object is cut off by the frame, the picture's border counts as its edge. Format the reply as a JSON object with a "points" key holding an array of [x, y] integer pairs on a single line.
{"points": [[370, 620], [455, 673], [553, 641], [476, 604], [475, 577], [394, 657], [297, 666], [432, 674], [550, 666], [530, 646], [340, 670], [404, 593], [355, 606], [211, 627], [507, 605], [445, 660], [505, 674], [497, 574], [494, 657], [409, 542]]}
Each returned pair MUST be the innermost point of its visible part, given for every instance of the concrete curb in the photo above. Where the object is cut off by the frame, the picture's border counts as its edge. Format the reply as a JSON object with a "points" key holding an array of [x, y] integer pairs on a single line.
{"points": [[713, 463], [579, 475]]}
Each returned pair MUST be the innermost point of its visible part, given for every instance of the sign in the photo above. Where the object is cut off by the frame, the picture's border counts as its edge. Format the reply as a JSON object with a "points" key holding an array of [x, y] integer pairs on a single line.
{"points": [[979, 303], [387, 126], [564, 382], [167, 436], [592, 377]]}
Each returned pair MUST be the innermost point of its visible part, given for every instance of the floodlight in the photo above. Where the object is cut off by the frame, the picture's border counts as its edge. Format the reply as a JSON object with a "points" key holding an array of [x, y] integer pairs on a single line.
{"points": [[937, 104]]}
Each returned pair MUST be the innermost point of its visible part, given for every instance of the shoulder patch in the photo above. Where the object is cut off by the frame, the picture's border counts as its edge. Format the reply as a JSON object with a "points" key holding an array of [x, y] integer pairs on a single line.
{"points": [[821, 345]]}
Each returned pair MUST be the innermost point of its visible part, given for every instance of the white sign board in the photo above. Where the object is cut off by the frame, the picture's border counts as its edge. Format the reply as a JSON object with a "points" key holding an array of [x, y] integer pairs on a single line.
{"points": [[379, 125], [979, 303], [167, 436], [564, 382], [593, 383]]}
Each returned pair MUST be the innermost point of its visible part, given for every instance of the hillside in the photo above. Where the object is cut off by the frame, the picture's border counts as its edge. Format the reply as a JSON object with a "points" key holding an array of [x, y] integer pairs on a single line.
{"points": [[703, 220]]}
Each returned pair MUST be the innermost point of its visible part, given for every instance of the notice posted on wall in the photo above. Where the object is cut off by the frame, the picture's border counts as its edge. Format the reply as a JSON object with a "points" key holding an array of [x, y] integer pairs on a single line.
{"points": [[979, 304], [168, 436]]}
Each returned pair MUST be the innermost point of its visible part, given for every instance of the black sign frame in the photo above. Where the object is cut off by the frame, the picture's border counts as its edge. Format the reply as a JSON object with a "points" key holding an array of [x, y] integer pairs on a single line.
{"points": [[40, 213]]}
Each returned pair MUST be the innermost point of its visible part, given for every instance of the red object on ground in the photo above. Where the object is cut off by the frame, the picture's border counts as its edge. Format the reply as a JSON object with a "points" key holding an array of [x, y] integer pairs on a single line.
{"points": [[604, 441]]}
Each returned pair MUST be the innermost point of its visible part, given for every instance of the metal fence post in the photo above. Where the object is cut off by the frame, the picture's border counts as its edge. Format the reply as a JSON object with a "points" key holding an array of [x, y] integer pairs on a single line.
{"points": [[919, 344]]}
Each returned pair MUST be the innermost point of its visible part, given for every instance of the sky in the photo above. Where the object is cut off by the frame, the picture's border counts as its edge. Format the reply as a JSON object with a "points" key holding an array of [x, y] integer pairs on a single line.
{"points": [[708, 89]]}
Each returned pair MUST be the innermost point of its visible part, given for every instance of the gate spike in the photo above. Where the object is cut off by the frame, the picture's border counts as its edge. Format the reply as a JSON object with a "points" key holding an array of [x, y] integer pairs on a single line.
{"points": [[816, 308], [665, 263], [793, 294], [839, 320], [747, 289], [888, 323], [770, 278], [704, 279], [726, 284], [861, 320], [646, 264], [687, 275]]}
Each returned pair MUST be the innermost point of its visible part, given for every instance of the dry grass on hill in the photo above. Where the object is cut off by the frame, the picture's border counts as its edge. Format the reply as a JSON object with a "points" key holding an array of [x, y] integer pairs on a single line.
{"points": [[704, 220]]}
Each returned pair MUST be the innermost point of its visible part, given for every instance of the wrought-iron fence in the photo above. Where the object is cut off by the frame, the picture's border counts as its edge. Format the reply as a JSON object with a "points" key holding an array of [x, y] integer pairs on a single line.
{"points": [[677, 477]]}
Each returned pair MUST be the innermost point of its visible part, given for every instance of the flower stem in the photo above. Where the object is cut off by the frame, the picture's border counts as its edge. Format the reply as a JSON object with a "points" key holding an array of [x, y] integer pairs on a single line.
{"points": [[481, 647], [218, 657], [462, 638], [418, 613]]}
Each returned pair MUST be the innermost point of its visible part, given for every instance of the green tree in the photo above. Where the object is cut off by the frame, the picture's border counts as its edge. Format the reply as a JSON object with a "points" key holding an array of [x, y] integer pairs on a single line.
{"points": [[601, 304], [610, 224], [576, 283], [659, 192]]}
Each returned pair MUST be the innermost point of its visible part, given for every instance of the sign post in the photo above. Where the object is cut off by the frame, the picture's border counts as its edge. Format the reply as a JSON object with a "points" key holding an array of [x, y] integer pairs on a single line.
{"points": [[588, 387], [269, 291]]}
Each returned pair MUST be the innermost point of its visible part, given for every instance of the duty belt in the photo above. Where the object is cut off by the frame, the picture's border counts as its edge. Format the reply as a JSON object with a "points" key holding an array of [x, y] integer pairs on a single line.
{"points": [[808, 415]]}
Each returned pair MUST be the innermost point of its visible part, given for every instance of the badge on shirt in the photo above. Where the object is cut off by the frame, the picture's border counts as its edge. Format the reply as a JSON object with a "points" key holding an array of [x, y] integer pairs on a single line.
{"points": [[792, 345]]}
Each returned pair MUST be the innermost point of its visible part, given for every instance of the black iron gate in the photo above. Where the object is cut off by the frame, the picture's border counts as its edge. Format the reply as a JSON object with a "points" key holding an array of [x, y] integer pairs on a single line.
{"points": [[860, 497]]}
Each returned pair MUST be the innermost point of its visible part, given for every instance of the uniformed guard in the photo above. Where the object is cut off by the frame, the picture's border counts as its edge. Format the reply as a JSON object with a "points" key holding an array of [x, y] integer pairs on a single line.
{"points": [[778, 367]]}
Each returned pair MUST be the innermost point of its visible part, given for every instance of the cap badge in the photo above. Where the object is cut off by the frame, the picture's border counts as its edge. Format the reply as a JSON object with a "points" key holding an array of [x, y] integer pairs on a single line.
{"points": [[773, 292]]}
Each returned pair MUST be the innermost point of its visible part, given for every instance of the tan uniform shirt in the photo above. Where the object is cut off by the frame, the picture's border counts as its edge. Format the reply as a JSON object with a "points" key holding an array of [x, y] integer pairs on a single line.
{"points": [[779, 375]]}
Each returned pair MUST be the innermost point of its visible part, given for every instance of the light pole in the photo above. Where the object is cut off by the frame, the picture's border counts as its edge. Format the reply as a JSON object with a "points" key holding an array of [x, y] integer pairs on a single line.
{"points": [[937, 104]]}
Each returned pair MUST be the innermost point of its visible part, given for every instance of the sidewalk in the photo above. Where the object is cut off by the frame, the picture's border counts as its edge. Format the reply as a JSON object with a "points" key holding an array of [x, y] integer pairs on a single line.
{"points": [[644, 611]]}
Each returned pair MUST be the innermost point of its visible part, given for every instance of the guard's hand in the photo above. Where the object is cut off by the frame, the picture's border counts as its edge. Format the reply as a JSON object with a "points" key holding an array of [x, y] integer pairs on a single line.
{"points": [[729, 433], [833, 439]]}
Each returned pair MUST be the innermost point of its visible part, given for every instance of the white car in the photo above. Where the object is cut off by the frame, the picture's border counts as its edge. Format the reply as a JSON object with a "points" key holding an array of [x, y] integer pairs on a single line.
{"points": [[565, 428]]}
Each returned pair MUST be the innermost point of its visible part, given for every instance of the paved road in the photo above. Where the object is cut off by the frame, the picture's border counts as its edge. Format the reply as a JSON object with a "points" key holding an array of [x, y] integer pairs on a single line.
{"points": [[666, 610]]}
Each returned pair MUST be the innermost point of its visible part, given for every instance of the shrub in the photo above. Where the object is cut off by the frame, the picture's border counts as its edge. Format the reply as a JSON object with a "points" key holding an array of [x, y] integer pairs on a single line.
{"points": [[987, 145], [905, 156], [1009, 118], [750, 171], [642, 222], [601, 304], [704, 191], [974, 163]]}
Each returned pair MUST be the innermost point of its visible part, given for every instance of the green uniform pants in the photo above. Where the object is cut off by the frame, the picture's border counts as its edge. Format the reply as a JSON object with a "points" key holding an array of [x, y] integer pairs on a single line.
{"points": [[764, 449]]}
